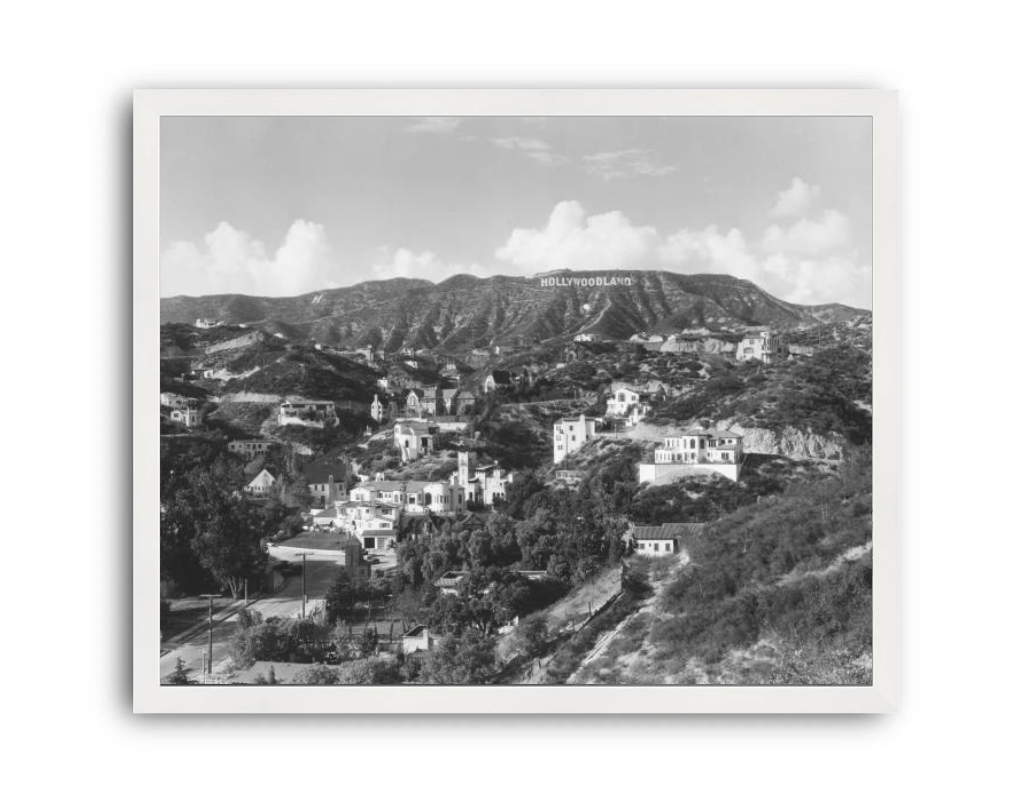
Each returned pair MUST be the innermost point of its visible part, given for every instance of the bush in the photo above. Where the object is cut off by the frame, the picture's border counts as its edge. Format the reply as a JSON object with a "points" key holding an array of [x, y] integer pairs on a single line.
{"points": [[316, 676], [370, 672]]}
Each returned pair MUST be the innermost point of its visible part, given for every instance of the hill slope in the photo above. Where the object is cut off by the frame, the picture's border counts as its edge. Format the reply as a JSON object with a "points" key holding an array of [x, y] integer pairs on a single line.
{"points": [[464, 311]]}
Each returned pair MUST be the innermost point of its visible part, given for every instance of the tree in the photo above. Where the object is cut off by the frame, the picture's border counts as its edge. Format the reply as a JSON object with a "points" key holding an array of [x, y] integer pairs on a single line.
{"points": [[462, 660], [229, 542], [340, 597], [179, 677], [534, 636]]}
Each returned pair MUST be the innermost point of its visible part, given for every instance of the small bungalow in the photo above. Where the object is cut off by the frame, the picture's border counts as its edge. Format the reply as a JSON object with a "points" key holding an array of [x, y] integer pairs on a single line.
{"points": [[261, 484]]}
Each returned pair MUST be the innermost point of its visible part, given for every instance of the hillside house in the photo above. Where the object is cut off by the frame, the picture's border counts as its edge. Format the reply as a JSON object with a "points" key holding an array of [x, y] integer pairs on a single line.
{"points": [[625, 400], [658, 541], [414, 438], [697, 451], [571, 433], [249, 448], [412, 495], [413, 403], [189, 414], [394, 382], [497, 379], [587, 337], [374, 523], [482, 484], [450, 582], [207, 324], [261, 485], [417, 639], [308, 413], [174, 401], [325, 518], [761, 346], [327, 482]]}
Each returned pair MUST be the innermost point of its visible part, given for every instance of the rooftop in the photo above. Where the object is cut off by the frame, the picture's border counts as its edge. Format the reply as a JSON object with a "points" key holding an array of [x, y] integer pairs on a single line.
{"points": [[393, 486], [667, 531]]}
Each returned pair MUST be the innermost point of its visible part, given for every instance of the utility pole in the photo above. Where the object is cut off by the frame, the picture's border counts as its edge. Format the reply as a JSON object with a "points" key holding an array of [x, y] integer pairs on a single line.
{"points": [[210, 632], [246, 593]]}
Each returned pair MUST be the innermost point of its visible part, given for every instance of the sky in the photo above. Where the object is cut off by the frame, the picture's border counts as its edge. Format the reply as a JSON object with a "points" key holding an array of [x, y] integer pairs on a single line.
{"points": [[279, 206]]}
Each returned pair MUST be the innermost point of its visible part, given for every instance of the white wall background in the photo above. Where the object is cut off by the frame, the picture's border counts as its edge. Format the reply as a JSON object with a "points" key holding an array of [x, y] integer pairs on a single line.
{"points": [[65, 161]]}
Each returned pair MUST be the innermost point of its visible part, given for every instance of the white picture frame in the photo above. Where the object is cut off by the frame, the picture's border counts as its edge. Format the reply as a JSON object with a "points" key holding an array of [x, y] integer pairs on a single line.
{"points": [[151, 697]]}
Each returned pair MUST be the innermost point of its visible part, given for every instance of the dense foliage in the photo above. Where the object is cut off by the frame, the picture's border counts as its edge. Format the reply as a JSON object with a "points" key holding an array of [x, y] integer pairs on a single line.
{"points": [[828, 393], [779, 568]]}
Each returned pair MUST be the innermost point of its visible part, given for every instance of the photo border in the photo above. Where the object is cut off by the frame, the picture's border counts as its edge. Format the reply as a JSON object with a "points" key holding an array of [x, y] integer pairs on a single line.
{"points": [[151, 697]]}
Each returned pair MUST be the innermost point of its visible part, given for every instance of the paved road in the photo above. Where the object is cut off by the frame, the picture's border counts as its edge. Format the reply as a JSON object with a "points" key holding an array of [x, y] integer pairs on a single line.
{"points": [[284, 603]]}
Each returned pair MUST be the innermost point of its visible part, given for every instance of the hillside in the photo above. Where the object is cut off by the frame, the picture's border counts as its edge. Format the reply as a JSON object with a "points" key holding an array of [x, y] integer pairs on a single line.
{"points": [[828, 395], [777, 592], [464, 312]]}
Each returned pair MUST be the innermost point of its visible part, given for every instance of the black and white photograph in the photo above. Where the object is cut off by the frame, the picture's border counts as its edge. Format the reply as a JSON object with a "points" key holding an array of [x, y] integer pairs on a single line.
{"points": [[516, 400]]}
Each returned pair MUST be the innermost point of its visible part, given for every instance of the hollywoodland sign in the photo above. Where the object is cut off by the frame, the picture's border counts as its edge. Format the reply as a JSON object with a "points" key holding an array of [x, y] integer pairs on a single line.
{"points": [[587, 282]]}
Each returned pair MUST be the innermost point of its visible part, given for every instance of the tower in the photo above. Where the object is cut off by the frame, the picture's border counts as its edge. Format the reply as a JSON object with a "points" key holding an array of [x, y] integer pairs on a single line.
{"points": [[465, 467]]}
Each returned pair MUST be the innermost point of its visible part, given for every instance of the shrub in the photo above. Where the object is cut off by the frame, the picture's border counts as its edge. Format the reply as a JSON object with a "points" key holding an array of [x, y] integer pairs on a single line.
{"points": [[316, 676]]}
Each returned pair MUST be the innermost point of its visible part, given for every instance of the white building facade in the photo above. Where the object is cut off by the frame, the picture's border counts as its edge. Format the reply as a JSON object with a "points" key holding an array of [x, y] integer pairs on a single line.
{"points": [[763, 346], [697, 451], [571, 433], [308, 413]]}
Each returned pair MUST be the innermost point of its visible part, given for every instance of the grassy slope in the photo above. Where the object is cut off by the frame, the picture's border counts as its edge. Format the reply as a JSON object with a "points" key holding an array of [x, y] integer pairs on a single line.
{"points": [[776, 592]]}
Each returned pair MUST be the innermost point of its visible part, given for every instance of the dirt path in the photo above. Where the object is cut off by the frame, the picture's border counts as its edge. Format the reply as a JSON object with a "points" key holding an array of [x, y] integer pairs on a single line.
{"points": [[657, 585]]}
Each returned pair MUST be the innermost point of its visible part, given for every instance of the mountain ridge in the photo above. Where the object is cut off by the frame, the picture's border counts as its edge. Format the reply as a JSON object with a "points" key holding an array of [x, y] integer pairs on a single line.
{"points": [[464, 311]]}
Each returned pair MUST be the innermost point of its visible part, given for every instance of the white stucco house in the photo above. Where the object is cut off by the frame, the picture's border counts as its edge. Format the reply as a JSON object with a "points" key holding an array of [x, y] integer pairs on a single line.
{"points": [[414, 438], [697, 451], [763, 346], [309, 413], [571, 433]]}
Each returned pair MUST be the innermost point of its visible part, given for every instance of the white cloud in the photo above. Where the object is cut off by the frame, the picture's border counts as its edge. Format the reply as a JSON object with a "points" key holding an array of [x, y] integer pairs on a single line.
{"points": [[830, 233], [232, 262], [570, 239], [610, 165], [796, 200], [532, 147], [801, 273], [811, 281], [707, 250], [434, 125], [401, 262]]}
